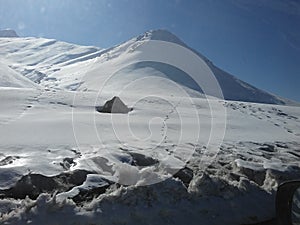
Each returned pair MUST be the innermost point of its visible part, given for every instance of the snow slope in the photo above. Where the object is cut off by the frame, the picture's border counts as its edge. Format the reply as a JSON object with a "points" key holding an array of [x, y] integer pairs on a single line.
{"points": [[36, 58], [233, 88], [10, 78], [50, 136], [179, 157]]}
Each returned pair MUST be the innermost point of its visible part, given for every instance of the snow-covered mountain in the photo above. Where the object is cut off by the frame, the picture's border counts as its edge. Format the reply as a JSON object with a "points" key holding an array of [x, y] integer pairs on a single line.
{"points": [[58, 64], [177, 157], [232, 87]]}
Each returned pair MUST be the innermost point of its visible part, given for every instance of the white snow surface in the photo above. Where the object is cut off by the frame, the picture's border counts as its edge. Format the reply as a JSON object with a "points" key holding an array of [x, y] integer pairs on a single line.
{"points": [[235, 152], [10, 78]]}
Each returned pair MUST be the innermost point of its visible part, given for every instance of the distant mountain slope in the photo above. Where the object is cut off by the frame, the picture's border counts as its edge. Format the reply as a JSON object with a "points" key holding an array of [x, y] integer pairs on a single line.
{"points": [[62, 65], [8, 33], [10, 78], [36, 58]]}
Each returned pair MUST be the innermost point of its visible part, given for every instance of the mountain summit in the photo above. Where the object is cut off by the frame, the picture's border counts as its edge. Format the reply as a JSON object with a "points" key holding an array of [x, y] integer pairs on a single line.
{"points": [[8, 33], [161, 35], [232, 87]]}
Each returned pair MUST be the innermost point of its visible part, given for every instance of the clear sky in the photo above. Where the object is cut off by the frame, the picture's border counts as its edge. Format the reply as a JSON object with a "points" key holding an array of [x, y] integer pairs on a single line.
{"points": [[258, 41]]}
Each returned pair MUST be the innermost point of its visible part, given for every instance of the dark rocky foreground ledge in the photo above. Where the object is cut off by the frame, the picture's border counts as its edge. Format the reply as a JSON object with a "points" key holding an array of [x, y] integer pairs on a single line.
{"points": [[32, 185]]}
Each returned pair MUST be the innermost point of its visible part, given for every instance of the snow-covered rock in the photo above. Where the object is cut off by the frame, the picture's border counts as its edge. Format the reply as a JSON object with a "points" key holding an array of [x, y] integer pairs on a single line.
{"points": [[115, 105], [8, 33]]}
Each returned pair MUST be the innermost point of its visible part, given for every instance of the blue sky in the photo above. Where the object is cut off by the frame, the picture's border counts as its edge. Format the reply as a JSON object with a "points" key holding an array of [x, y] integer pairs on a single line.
{"points": [[257, 41]]}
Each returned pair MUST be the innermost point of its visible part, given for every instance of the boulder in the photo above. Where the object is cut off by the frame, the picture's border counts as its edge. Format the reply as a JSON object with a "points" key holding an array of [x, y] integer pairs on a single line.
{"points": [[115, 105]]}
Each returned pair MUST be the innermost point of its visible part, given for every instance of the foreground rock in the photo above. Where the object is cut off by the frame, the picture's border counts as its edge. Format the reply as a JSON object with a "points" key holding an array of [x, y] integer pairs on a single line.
{"points": [[32, 185]]}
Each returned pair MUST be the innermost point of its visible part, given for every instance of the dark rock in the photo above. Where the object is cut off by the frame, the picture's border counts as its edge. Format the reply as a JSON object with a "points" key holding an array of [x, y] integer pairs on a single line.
{"points": [[268, 148], [32, 185], [282, 114], [115, 105], [185, 175], [8, 33], [87, 195], [8, 160], [142, 160]]}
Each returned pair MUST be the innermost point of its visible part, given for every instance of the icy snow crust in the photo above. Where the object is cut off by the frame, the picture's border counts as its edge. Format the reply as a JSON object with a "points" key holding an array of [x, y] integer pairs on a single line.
{"points": [[78, 166]]}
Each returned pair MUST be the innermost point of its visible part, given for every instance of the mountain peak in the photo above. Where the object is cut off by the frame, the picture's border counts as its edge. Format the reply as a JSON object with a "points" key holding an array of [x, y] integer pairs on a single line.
{"points": [[160, 35], [8, 33]]}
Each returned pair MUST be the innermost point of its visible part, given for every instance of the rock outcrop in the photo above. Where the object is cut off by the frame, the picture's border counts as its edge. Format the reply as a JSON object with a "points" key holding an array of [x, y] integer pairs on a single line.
{"points": [[115, 105]]}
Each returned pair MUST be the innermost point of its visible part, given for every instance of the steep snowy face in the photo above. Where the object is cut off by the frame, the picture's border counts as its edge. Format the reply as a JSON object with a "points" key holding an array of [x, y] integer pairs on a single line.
{"points": [[8, 33], [232, 88]]}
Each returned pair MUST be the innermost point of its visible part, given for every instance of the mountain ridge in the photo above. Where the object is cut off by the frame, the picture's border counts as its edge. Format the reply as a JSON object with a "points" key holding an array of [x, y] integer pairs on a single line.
{"points": [[265, 97]]}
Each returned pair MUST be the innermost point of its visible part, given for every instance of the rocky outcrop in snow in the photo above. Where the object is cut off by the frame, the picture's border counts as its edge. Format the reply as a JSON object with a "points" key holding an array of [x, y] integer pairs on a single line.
{"points": [[115, 105], [8, 33]]}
